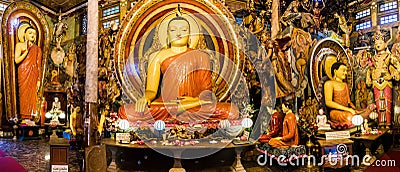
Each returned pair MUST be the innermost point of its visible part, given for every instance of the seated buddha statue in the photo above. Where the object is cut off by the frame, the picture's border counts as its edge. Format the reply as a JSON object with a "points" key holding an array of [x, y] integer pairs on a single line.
{"points": [[337, 97], [178, 83], [290, 134], [275, 127]]}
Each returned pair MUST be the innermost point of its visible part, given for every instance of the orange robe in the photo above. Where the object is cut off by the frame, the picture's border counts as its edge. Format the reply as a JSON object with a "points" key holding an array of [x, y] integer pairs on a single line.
{"points": [[290, 135], [28, 76], [343, 98], [185, 74], [275, 128]]}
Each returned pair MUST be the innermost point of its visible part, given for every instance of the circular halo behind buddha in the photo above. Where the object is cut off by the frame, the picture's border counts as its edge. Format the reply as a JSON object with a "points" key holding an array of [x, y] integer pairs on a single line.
{"points": [[326, 52]]}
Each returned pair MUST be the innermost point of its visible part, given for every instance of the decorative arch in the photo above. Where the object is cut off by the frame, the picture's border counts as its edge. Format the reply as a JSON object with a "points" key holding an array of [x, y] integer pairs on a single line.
{"points": [[15, 14]]}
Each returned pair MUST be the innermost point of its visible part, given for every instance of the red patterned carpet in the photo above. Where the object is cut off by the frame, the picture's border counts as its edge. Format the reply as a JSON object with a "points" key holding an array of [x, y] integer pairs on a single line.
{"points": [[8, 163], [386, 159]]}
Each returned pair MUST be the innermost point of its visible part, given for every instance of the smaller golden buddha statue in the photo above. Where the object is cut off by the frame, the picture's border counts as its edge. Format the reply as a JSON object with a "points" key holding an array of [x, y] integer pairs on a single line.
{"points": [[290, 134]]}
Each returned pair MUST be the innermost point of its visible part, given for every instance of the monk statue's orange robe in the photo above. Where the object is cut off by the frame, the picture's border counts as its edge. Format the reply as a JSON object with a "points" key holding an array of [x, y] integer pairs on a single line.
{"points": [[341, 97], [185, 74], [29, 73], [290, 135]]}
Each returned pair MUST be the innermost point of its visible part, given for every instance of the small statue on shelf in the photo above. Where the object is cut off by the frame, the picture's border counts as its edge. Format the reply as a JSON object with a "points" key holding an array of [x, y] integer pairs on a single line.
{"points": [[365, 129], [322, 121], [56, 108], [55, 113], [54, 82]]}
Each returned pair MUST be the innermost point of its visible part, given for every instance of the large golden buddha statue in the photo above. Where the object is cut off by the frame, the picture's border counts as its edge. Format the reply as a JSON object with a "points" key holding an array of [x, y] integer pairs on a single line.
{"points": [[337, 97], [179, 83]]}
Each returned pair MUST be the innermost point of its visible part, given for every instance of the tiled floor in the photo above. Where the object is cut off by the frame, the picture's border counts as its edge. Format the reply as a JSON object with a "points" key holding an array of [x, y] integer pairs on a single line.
{"points": [[34, 155]]}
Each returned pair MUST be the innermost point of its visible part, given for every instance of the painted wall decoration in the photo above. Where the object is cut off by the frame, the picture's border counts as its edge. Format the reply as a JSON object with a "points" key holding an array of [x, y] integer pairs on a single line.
{"points": [[26, 40]]}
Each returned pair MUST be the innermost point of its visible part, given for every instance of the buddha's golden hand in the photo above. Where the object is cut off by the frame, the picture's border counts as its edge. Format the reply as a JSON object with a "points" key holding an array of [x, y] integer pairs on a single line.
{"points": [[193, 100], [352, 111], [141, 104]]}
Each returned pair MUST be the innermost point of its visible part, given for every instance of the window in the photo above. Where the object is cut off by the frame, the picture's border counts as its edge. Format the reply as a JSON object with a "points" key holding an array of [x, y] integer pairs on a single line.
{"points": [[2, 6], [107, 24], [389, 19], [363, 25], [84, 24], [388, 6], [364, 13], [111, 11]]}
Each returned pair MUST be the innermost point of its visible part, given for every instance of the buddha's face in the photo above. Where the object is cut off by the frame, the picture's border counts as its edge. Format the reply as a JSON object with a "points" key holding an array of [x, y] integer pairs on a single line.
{"points": [[341, 72], [30, 35], [380, 45], [56, 99], [178, 32]]}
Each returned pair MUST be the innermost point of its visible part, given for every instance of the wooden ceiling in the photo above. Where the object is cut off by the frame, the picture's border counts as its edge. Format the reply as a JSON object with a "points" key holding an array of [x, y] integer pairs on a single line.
{"points": [[57, 5]]}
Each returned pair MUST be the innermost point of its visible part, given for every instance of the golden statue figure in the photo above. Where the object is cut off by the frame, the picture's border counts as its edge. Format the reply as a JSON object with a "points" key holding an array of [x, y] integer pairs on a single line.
{"points": [[385, 67], [346, 29], [182, 76], [76, 121], [337, 97], [28, 57]]}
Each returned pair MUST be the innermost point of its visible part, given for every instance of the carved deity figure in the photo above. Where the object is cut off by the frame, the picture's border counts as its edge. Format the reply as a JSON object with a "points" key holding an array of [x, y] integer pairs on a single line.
{"points": [[70, 62], [344, 28], [317, 14], [28, 57], [396, 46], [385, 68], [280, 63], [257, 23]]}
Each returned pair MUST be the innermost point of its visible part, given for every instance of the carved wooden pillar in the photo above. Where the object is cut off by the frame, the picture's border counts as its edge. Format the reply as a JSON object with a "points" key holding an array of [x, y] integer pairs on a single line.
{"points": [[123, 8], [91, 89], [374, 13], [275, 19], [1, 75]]}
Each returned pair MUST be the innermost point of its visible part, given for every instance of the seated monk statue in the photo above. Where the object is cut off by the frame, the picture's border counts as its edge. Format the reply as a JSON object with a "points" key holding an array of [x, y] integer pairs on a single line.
{"points": [[184, 75], [290, 134], [337, 97], [275, 128]]}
